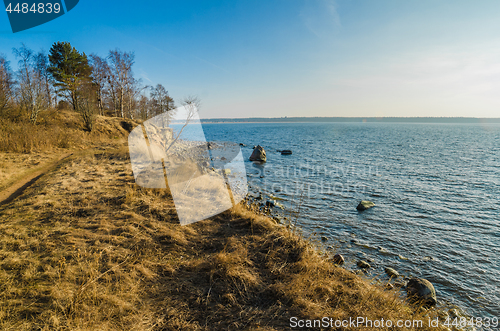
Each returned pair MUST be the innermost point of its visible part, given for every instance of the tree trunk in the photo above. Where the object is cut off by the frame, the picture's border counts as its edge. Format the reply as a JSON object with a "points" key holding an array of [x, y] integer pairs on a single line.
{"points": [[47, 90], [121, 103], [74, 100]]}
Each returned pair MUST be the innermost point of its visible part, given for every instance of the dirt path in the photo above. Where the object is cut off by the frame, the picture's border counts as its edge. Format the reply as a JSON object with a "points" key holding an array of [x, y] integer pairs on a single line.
{"points": [[17, 188]]}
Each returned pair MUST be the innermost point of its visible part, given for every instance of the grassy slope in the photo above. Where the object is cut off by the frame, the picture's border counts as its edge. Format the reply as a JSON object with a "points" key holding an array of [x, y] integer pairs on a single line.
{"points": [[26, 148], [85, 248]]}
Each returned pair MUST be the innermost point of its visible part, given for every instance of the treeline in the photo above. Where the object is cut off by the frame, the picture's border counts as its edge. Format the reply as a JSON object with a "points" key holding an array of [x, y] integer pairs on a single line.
{"points": [[68, 78]]}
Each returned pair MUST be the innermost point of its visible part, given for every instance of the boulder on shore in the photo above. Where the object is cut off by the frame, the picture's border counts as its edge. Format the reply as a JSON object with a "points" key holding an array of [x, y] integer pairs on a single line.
{"points": [[421, 290], [258, 154], [364, 205]]}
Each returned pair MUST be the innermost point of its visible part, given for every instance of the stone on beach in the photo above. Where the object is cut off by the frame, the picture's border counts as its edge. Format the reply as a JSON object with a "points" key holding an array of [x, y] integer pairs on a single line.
{"points": [[364, 205], [258, 154], [421, 290]]}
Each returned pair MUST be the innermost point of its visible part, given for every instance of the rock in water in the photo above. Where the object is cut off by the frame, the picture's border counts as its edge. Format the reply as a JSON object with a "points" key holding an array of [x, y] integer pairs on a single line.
{"points": [[258, 154], [364, 205], [338, 259], [421, 290], [391, 273], [286, 152], [363, 264]]}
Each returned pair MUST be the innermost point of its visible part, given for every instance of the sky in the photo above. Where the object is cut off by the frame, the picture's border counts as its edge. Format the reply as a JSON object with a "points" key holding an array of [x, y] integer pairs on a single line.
{"points": [[276, 58]]}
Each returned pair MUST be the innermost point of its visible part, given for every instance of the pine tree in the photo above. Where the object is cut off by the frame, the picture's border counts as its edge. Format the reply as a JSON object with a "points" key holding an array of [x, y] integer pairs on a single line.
{"points": [[70, 69]]}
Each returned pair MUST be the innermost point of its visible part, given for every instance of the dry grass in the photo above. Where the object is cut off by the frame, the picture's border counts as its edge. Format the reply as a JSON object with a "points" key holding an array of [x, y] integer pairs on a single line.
{"points": [[57, 129], [86, 249], [15, 165], [27, 148]]}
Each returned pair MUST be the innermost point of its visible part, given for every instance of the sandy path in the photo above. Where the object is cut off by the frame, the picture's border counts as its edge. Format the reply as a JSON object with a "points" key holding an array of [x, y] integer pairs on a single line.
{"points": [[17, 188]]}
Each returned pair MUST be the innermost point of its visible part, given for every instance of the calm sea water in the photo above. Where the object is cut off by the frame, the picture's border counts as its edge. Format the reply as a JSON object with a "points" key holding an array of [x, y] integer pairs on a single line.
{"points": [[436, 188]]}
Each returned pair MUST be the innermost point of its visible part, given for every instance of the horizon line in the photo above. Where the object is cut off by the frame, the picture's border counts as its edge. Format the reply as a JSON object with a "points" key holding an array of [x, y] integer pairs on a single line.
{"points": [[355, 117]]}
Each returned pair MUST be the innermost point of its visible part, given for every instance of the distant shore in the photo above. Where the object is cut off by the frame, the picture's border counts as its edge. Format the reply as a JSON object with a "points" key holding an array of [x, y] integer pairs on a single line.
{"points": [[437, 120]]}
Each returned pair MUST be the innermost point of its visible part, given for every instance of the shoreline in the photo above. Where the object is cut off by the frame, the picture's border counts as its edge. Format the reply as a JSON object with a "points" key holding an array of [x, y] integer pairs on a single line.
{"points": [[117, 250], [85, 247], [267, 204]]}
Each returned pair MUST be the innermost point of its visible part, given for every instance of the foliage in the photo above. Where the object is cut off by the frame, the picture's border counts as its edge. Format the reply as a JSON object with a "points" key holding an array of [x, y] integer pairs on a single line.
{"points": [[69, 68], [66, 78]]}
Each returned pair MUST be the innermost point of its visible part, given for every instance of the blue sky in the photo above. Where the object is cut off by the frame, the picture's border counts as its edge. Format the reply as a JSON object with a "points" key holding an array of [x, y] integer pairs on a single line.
{"points": [[268, 58]]}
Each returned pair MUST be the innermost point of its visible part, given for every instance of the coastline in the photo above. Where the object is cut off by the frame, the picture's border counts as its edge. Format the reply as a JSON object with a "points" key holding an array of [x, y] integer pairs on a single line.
{"points": [[105, 253], [420, 214]]}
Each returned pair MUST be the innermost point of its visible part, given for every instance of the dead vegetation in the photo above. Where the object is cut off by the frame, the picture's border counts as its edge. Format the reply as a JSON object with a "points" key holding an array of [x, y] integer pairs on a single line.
{"points": [[26, 148], [85, 248], [58, 129]]}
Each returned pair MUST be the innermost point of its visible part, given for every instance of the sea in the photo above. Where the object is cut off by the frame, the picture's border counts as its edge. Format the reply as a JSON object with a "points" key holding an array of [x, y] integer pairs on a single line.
{"points": [[436, 188]]}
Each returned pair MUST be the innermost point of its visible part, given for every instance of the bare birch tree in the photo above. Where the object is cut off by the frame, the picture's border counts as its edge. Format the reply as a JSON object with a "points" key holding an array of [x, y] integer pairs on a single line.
{"points": [[41, 64], [143, 107], [161, 102], [100, 77], [132, 93], [31, 96], [121, 77]]}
